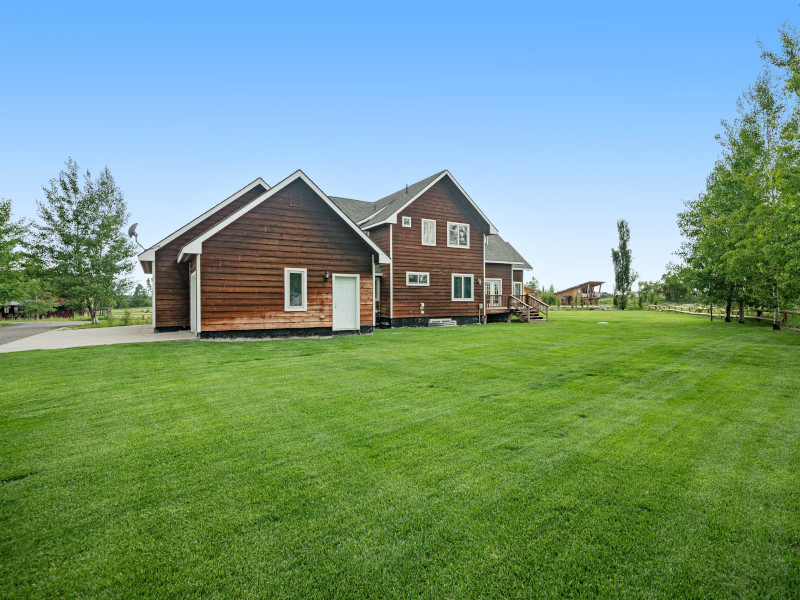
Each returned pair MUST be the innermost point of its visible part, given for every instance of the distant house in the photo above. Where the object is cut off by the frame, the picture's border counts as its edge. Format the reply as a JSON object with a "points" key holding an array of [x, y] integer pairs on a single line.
{"points": [[290, 260], [588, 293], [13, 310], [10, 310]]}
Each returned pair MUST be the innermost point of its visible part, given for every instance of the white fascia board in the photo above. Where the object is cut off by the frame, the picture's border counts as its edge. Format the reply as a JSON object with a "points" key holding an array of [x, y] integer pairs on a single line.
{"points": [[203, 217], [148, 255], [393, 217], [196, 245]]}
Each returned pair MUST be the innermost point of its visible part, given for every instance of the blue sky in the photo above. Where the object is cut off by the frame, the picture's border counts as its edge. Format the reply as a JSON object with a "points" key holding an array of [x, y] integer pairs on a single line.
{"points": [[557, 118]]}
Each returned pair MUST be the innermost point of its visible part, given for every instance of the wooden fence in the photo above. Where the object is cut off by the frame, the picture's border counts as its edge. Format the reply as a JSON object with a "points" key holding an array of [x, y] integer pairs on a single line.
{"points": [[699, 310]]}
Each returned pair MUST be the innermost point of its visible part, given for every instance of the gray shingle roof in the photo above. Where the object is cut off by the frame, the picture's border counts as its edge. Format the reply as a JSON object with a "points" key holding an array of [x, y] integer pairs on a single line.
{"points": [[499, 250], [393, 202], [357, 210]]}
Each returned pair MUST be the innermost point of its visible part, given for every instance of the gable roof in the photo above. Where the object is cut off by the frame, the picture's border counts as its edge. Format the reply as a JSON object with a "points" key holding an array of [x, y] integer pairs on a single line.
{"points": [[388, 206], [372, 214], [500, 251], [592, 283], [150, 253], [392, 203], [196, 245]]}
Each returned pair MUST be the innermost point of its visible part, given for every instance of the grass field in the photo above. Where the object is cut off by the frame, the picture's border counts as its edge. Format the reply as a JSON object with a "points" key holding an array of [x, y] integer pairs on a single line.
{"points": [[656, 456]]}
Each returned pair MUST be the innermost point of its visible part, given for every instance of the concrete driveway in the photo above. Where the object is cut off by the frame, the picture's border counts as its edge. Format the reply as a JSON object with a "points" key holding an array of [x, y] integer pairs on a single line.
{"points": [[50, 339], [18, 331]]}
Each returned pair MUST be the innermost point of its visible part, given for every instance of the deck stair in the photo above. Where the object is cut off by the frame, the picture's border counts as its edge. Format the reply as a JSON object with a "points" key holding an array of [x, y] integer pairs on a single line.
{"points": [[528, 308]]}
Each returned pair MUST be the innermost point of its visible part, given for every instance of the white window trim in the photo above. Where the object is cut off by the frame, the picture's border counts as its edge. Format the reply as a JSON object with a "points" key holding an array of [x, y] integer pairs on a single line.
{"points": [[406, 221], [514, 285], [286, 305], [449, 245], [422, 234], [453, 287], [418, 273]]}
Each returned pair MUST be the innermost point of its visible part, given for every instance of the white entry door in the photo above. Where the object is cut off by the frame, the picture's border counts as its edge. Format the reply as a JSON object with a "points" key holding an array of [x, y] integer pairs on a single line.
{"points": [[494, 292], [193, 302], [346, 313]]}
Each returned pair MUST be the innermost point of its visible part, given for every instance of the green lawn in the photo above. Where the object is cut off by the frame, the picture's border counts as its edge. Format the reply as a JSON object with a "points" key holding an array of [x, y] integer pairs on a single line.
{"points": [[656, 456]]}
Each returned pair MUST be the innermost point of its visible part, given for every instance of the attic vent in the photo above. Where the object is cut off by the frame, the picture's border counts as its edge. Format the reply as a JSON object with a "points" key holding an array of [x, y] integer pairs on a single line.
{"points": [[294, 198]]}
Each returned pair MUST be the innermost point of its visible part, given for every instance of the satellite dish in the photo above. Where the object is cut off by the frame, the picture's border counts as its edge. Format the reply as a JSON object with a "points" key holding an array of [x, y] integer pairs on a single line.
{"points": [[132, 233]]}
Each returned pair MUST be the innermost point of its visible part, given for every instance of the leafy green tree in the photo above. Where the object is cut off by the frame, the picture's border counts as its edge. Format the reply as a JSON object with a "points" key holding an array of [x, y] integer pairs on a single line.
{"points": [[12, 256], [674, 284], [80, 239], [624, 275], [38, 297], [141, 297], [648, 293]]}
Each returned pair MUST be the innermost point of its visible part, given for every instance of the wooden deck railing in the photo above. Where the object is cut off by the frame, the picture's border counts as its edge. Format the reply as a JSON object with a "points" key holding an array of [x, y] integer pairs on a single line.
{"points": [[497, 301], [526, 304]]}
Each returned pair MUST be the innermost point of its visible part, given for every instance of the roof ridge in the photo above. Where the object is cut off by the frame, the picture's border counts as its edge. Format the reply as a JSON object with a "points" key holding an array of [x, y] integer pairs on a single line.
{"points": [[405, 188]]}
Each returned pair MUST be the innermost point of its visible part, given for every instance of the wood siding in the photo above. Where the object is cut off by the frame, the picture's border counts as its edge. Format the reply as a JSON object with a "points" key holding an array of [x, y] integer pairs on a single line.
{"points": [[242, 266], [518, 274], [172, 278], [381, 235], [500, 271], [442, 203]]}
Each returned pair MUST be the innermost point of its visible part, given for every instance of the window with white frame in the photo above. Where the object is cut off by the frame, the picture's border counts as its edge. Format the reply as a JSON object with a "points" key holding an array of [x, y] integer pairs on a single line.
{"points": [[406, 221], [417, 278], [458, 235], [294, 289], [428, 232], [462, 287], [518, 288]]}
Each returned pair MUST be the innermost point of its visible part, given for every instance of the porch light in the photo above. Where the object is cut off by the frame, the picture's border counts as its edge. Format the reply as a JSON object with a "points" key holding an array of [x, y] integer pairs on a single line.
{"points": [[327, 276]]}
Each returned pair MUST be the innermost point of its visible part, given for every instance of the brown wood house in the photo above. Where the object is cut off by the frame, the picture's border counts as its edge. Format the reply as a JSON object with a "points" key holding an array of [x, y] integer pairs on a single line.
{"points": [[290, 260], [587, 292], [448, 261], [267, 261]]}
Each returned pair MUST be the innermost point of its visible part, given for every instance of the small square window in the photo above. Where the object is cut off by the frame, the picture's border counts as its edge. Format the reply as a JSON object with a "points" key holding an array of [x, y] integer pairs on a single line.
{"points": [[406, 221]]}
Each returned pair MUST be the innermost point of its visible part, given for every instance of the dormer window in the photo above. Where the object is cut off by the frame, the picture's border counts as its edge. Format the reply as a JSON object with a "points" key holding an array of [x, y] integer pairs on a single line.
{"points": [[458, 235]]}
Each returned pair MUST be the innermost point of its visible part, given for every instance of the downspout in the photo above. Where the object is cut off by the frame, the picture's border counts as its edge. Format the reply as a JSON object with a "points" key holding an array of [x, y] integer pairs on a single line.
{"points": [[154, 292], [199, 299], [483, 281]]}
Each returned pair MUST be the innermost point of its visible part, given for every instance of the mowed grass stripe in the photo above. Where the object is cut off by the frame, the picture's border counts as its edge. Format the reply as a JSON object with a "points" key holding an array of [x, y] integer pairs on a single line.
{"points": [[654, 456]]}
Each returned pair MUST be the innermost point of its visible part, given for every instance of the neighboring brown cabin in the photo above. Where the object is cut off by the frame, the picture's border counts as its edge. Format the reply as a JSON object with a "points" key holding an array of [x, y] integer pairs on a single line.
{"points": [[291, 260], [588, 293]]}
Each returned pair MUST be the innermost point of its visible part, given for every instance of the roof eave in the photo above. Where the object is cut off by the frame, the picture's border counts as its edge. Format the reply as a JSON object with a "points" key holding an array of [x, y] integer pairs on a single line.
{"points": [[196, 245]]}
